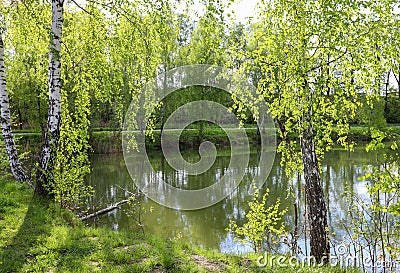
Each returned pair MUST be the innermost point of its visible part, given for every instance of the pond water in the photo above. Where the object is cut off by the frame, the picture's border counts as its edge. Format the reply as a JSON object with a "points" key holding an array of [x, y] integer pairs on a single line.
{"points": [[207, 227]]}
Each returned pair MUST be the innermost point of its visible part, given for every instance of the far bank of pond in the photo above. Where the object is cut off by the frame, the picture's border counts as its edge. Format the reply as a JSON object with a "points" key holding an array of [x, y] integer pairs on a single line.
{"points": [[105, 142]]}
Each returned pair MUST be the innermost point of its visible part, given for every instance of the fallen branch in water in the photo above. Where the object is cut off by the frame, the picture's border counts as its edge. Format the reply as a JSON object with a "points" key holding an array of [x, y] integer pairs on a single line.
{"points": [[103, 211]]}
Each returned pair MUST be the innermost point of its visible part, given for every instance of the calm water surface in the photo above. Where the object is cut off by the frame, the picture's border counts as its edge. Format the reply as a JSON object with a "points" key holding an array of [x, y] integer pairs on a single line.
{"points": [[207, 227]]}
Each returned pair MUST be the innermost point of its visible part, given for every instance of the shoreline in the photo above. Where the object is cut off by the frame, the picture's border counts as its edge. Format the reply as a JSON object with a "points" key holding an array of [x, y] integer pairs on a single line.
{"points": [[109, 141]]}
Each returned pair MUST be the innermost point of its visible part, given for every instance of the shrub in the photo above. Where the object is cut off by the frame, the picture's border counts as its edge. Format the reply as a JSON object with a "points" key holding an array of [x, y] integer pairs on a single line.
{"points": [[263, 224], [392, 110]]}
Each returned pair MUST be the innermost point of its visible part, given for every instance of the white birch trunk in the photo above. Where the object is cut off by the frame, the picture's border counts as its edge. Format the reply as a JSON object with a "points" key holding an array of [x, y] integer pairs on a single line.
{"points": [[317, 211], [15, 164], [52, 132]]}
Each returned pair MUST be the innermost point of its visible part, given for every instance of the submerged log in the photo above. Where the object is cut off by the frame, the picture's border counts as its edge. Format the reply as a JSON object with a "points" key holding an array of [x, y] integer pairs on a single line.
{"points": [[103, 211]]}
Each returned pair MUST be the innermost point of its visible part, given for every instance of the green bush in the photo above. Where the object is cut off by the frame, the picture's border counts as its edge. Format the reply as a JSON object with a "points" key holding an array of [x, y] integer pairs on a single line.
{"points": [[263, 224], [392, 111], [371, 112]]}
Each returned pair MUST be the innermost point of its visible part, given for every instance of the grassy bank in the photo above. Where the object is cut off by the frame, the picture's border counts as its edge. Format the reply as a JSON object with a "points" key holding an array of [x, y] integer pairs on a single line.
{"points": [[38, 236]]}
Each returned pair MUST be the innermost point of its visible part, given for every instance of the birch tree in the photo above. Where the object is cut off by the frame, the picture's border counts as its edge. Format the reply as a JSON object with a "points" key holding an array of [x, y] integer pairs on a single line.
{"points": [[27, 45], [314, 56], [52, 134], [15, 164]]}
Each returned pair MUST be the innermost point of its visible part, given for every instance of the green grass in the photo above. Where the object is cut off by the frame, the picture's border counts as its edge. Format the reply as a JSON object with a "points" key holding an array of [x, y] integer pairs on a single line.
{"points": [[38, 236]]}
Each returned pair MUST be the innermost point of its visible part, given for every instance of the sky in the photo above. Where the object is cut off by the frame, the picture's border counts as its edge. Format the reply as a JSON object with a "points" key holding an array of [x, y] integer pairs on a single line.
{"points": [[243, 9]]}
